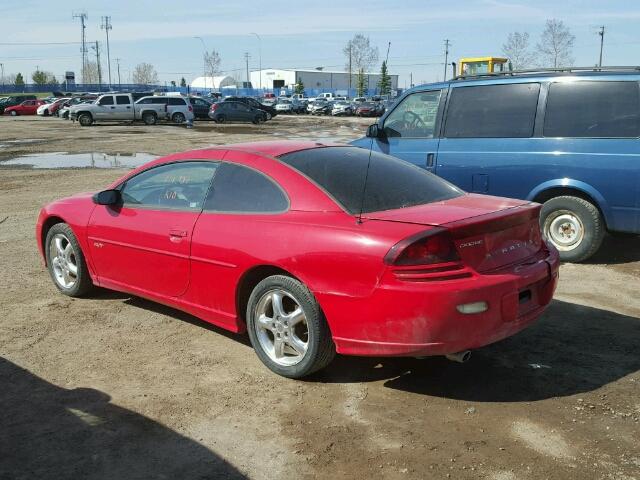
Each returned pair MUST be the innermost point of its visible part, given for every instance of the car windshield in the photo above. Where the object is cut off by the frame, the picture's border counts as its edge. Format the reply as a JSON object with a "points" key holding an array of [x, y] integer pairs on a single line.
{"points": [[285, 101], [390, 183]]}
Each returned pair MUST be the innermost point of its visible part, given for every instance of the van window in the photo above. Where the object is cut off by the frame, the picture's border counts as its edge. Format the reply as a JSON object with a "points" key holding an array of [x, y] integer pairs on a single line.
{"points": [[415, 117], [593, 109], [176, 101], [492, 111]]}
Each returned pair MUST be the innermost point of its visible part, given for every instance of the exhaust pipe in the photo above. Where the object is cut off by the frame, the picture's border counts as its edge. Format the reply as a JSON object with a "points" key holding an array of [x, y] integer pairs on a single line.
{"points": [[460, 357]]}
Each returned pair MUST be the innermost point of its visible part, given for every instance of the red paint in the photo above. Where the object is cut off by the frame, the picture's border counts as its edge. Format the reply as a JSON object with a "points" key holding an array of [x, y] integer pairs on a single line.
{"points": [[483, 249], [28, 107]]}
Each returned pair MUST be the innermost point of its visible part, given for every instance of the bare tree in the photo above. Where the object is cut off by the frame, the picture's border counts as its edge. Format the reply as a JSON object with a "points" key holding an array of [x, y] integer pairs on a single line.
{"points": [[145, 74], [517, 50], [211, 63], [556, 45], [9, 79], [91, 73], [360, 54]]}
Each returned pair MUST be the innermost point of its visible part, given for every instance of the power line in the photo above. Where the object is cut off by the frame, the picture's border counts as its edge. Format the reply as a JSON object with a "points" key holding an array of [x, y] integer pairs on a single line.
{"points": [[40, 43]]}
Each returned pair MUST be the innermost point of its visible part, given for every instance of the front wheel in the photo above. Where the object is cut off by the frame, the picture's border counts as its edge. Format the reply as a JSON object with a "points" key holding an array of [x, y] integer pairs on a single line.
{"points": [[287, 329], [574, 226], [85, 120], [269, 116], [258, 119], [14, 113], [179, 118], [66, 262]]}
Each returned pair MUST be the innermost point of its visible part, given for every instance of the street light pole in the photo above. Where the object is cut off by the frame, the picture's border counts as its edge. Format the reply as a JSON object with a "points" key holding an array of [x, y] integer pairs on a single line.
{"points": [[259, 56], [204, 61]]}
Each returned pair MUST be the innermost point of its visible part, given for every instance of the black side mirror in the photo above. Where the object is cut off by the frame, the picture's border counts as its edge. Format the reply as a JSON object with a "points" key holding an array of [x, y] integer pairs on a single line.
{"points": [[107, 197], [374, 131]]}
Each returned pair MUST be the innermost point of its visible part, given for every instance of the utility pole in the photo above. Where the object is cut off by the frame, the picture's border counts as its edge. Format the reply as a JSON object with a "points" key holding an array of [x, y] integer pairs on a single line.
{"points": [[259, 56], [97, 50], [601, 33], [411, 80], [246, 58], [447, 44], [106, 26], [349, 68], [387, 59], [2, 75], [83, 17], [119, 84]]}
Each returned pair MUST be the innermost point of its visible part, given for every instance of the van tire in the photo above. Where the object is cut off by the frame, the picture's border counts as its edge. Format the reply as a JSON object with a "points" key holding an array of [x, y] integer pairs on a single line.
{"points": [[583, 222], [178, 117], [149, 118], [85, 119]]}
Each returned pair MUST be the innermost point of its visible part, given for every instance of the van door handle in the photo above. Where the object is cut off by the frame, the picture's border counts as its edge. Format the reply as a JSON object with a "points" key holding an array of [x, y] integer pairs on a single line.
{"points": [[430, 159]]}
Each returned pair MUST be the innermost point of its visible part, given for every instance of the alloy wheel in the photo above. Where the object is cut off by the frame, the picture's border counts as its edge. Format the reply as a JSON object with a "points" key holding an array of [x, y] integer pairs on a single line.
{"points": [[63, 261]]}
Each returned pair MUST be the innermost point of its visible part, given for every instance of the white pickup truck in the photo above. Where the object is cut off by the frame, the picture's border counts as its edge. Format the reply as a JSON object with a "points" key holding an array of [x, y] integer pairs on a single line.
{"points": [[119, 107]]}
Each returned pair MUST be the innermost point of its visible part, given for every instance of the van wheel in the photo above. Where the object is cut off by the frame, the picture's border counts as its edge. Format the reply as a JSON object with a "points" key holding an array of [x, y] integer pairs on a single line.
{"points": [[287, 328], [179, 118], [85, 119], [573, 225], [149, 118]]}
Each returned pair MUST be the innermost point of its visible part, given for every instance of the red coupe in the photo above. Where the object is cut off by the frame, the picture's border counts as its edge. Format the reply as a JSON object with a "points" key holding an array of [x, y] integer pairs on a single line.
{"points": [[314, 249], [28, 107]]}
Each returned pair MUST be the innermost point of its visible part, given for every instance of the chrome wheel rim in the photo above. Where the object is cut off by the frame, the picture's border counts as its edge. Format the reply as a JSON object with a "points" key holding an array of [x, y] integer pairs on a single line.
{"points": [[281, 327], [565, 230], [63, 261]]}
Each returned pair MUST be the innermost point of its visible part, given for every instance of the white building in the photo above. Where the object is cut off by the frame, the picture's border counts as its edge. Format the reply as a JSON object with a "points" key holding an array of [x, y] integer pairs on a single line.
{"points": [[214, 82], [313, 79]]}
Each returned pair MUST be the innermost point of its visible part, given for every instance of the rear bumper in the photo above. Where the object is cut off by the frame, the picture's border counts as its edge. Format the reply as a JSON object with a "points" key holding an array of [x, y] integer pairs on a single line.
{"points": [[421, 318]]}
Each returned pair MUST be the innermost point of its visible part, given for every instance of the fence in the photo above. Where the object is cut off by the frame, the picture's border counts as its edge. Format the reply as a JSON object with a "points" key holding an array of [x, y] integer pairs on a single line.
{"points": [[95, 88]]}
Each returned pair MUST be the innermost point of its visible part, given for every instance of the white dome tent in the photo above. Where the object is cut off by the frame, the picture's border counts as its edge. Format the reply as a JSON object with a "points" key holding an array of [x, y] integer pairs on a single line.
{"points": [[221, 81]]}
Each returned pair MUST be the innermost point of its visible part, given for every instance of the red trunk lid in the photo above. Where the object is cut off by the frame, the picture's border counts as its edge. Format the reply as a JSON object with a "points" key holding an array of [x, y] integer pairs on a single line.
{"points": [[489, 232]]}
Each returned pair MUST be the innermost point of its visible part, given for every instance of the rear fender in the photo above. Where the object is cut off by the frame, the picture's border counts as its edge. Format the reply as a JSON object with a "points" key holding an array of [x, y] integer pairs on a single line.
{"points": [[571, 184]]}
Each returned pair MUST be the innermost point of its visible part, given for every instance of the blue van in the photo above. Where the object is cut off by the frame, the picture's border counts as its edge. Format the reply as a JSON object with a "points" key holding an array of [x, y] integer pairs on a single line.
{"points": [[568, 139]]}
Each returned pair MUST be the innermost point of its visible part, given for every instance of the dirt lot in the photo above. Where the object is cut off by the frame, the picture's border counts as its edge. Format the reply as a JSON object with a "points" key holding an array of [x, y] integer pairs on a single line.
{"points": [[114, 386]]}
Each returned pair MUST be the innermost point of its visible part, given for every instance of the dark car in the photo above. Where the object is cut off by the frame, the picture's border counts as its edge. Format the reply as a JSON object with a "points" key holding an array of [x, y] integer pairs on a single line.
{"points": [[13, 101], [230, 111], [201, 107], [369, 109], [252, 102]]}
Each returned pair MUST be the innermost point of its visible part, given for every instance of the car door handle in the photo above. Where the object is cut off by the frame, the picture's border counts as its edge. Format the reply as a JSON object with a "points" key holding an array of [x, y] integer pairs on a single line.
{"points": [[175, 232], [430, 159]]}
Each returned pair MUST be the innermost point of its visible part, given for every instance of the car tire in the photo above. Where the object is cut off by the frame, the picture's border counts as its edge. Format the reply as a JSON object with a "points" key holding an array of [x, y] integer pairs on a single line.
{"points": [[46, 113], [149, 118], [14, 113], [85, 119], [178, 117], [573, 225], [307, 357], [65, 261], [221, 119], [258, 119]]}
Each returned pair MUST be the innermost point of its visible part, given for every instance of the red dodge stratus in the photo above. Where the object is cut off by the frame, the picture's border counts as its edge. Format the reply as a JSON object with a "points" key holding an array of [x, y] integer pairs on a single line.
{"points": [[314, 249]]}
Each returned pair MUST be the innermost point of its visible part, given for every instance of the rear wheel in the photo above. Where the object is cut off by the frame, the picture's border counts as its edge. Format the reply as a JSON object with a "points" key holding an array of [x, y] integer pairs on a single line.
{"points": [[85, 119], [574, 226], [287, 328], [221, 119], [178, 117], [65, 261], [268, 116], [149, 118], [258, 119]]}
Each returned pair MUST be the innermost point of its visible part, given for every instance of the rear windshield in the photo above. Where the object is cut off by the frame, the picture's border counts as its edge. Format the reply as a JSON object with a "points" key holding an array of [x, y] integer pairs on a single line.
{"points": [[390, 183]]}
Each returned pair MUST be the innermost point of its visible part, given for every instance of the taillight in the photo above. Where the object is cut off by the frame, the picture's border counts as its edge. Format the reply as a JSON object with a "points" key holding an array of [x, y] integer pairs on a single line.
{"points": [[190, 108], [425, 248], [214, 106]]}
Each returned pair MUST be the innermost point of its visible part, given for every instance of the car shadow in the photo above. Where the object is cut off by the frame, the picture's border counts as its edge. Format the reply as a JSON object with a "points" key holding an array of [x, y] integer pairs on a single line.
{"points": [[617, 249], [51, 432], [570, 350]]}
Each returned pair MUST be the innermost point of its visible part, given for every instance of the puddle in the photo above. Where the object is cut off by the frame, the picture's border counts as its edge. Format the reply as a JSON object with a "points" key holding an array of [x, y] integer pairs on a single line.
{"points": [[79, 160], [26, 141]]}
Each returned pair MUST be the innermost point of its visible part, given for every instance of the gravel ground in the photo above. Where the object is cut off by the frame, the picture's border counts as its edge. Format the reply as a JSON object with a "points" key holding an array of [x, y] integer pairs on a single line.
{"points": [[114, 386]]}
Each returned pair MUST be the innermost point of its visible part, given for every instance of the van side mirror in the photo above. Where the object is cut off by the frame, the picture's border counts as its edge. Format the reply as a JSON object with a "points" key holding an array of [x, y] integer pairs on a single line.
{"points": [[107, 197], [374, 131]]}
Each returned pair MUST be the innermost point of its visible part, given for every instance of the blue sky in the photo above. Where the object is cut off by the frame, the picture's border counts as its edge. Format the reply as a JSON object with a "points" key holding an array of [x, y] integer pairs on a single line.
{"points": [[304, 35]]}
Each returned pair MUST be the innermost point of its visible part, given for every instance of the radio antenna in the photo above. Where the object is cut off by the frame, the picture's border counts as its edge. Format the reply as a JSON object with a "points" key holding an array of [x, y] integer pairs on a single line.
{"points": [[364, 186]]}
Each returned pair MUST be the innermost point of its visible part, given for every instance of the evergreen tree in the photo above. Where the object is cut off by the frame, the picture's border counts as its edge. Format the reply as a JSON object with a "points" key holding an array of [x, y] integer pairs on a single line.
{"points": [[361, 83], [183, 82], [39, 77], [19, 80], [385, 80], [299, 87], [173, 83]]}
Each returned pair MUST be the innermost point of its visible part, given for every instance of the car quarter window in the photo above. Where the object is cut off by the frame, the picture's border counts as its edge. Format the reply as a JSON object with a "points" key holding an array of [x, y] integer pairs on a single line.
{"points": [[415, 116], [106, 100], [239, 189], [492, 111], [180, 185], [122, 100], [593, 109]]}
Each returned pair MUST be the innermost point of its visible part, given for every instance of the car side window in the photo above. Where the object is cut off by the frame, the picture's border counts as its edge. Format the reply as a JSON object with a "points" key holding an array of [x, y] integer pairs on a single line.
{"points": [[122, 100], [492, 111], [106, 100], [179, 186], [176, 101], [593, 109], [415, 116], [239, 189]]}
